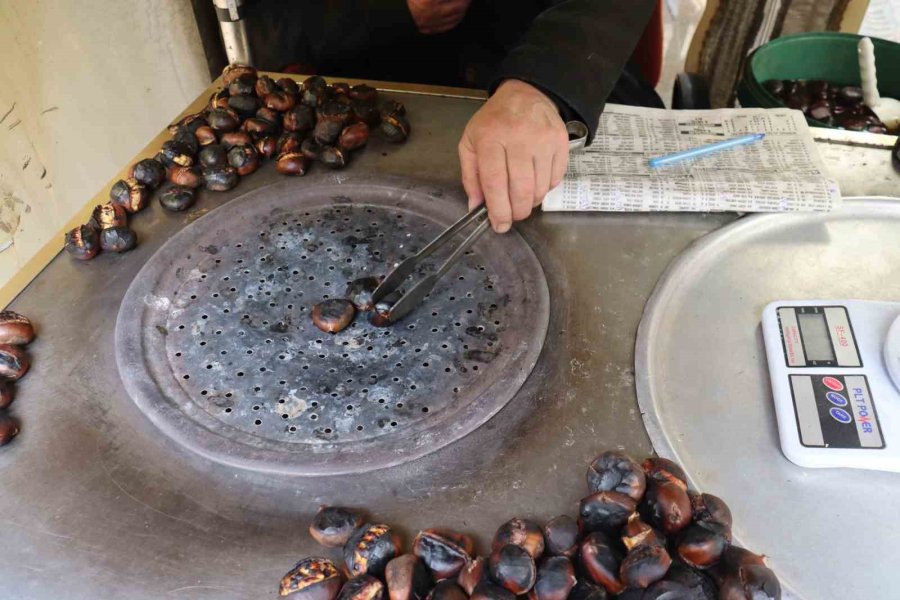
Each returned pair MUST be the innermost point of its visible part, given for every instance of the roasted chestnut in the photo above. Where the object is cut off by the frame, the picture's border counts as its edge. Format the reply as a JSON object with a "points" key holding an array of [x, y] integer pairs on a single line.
{"points": [[699, 585], [663, 469], [327, 132], [213, 156], [15, 328], [488, 591], [176, 154], [177, 198], [83, 242], [445, 553], [472, 574], [129, 194], [644, 565], [706, 508], [561, 536], [587, 590], [394, 128], [359, 292], [259, 126], [220, 180], [313, 91], [243, 85], [109, 215], [340, 88], [365, 113], [363, 587], [9, 428], [615, 472], [743, 575], [364, 93], [334, 112], [118, 239], [605, 511], [223, 120], [666, 505], [334, 158], [288, 85], [235, 70], [7, 394], [189, 122], [267, 146], [392, 107], [311, 149], [701, 545], [370, 548], [520, 532], [354, 136], [14, 362], [637, 533], [301, 118], [206, 135], [512, 567], [407, 578], [188, 138], [292, 163], [280, 101], [600, 560], [187, 176], [233, 138], [447, 590], [555, 579], [264, 85], [332, 526], [244, 158], [381, 313], [218, 99], [245, 106], [289, 141], [267, 114], [312, 579], [149, 172], [333, 315]]}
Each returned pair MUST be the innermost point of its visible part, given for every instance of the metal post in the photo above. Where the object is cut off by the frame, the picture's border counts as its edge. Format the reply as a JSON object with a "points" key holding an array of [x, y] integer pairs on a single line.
{"points": [[234, 32]]}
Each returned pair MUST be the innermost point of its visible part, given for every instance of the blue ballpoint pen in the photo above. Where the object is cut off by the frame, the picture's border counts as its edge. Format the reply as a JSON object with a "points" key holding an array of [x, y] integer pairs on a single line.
{"points": [[704, 150]]}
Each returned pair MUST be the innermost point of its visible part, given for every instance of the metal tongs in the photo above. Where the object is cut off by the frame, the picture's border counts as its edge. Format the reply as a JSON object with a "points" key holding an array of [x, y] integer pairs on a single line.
{"points": [[408, 301]]}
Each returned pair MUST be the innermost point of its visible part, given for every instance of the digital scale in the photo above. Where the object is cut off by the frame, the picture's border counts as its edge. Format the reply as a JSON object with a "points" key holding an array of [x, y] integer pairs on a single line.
{"points": [[835, 374]]}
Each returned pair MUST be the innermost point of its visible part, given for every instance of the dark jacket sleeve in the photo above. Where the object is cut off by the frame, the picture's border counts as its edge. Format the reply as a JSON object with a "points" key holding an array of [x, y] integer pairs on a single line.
{"points": [[576, 50]]}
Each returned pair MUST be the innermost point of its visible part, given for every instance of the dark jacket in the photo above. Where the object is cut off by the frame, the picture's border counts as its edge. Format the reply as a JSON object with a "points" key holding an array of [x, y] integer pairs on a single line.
{"points": [[575, 50]]}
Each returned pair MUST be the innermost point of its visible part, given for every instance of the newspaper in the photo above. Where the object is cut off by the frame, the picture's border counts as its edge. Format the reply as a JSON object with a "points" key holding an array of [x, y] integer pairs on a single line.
{"points": [[783, 172]]}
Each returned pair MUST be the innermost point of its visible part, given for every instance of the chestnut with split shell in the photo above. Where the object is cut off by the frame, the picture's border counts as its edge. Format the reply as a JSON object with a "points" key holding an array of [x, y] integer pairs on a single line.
{"points": [[223, 120], [666, 505], [488, 591], [264, 85], [15, 328], [258, 126], [644, 565], [9, 428], [637, 533], [206, 135], [555, 579], [244, 158], [176, 154], [605, 511], [312, 579], [289, 141], [191, 123], [663, 469], [243, 85], [600, 561], [118, 239], [447, 590], [407, 578], [83, 242], [394, 128], [177, 198], [702, 544], [334, 158], [130, 194], [292, 163], [615, 472], [365, 113], [370, 548], [520, 532], [472, 574], [280, 101], [512, 567], [333, 525], [359, 292], [235, 70], [363, 587], [109, 215], [267, 146], [445, 553], [561, 536], [706, 508]]}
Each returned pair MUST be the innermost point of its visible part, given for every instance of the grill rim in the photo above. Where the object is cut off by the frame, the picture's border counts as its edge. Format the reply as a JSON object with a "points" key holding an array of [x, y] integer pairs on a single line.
{"points": [[151, 386]]}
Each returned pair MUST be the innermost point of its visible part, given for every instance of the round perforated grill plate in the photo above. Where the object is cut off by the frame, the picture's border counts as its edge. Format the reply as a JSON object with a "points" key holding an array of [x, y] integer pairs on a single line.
{"points": [[216, 345]]}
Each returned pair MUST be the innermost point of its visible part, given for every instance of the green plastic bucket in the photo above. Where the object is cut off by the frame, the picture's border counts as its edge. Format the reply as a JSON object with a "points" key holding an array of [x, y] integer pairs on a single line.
{"points": [[823, 55]]}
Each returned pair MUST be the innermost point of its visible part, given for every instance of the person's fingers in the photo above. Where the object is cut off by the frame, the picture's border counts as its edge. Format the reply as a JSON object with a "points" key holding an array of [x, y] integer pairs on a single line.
{"points": [[558, 170], [543, 176], [468, 163], [494, 180], [520, 164]]}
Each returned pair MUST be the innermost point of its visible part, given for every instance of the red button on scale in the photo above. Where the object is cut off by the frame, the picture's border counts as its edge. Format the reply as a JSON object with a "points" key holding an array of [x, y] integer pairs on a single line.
{"points": [[833, 383]]}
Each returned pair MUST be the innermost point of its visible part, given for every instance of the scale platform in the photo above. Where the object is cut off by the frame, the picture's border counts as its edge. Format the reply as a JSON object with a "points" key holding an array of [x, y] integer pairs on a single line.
{"points": [[705, 392]]}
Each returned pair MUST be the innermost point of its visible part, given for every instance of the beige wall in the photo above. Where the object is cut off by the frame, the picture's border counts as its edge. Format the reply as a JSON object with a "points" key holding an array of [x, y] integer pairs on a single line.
{"points": [[84, 85]]}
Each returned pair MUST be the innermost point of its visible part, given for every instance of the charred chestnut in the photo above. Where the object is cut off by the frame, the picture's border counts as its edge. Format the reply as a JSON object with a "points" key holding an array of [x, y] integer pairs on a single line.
{"points": [[706, 508], [312, 579], [288, 85], [118, 239], [267, 114], [701, 545], [644, 565], [520, 532], [637, 533], [447, 590], [220, 180], [218, 99], [334, 158], [289, 141], [364, 93], [600, 561], [7, 394], [233, 138], [223, 120], [359, 292], [213, 156], [264, 85], [243, 85], [280, 101], [327, 132], [15, 328], [190, 123], [587, 590], [365, 113], [445, 553], [666, 505], [149, 172], [615, 472], [301, 118], [488, 591], [206, 135], [512, 567], [292, 163], [187, 176], [257, 126], [333, 315], [363, 587], [699, 585], [332, 526], [129, 194], [472, 574], [109, 215], [83, 242], [245, 106], [311, 149], [183, 136], [340, 88], [334, 112], [561, 536], [407, 578], [267, 146], [177, 198], [741, 574], [555, 579], [176, 154], [394, 128], [354, 136], [370, 548], [392, 107], [663, 469], [605, 511], [9, 428], [244, 158], [313, 91], [235, 70]]}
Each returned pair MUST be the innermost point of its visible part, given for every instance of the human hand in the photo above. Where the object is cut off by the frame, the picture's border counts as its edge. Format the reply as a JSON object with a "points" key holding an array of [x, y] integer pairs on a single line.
{"points": [[513, 151], [437, 16]]}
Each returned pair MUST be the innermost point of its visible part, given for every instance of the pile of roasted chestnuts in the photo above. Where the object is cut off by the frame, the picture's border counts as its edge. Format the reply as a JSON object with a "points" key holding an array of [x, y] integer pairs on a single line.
{"points": [[251, 119], [834, 105], [16, 331], [641, 534], [336, 314]]}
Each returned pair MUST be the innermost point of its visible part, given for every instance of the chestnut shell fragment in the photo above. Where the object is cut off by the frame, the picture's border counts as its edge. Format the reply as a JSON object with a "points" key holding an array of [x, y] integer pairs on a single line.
{"points": [[312, 579], [445, 553], [512, 567], [363, 587], [15, 328], [333, 525], [83, 242], [447, 590], [561, 536], [614, 472], [359, 292], [9, 428], [177, 198], [644, 565], [605, 511], [370, 548], [520, 532], [555, 579], [407, 578], [118, 239], [601, 560]]}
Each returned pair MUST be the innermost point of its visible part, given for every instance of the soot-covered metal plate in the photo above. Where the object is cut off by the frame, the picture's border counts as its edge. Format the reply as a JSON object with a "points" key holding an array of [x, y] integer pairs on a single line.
{"points": [[215, 343]]}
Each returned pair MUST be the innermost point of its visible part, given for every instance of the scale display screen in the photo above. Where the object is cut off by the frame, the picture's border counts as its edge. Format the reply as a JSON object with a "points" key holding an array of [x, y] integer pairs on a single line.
{"points": [[816, 339]]}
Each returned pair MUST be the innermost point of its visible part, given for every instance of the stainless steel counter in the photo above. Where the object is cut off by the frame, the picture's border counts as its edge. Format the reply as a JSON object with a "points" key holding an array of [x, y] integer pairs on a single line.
{"points": [[97, 503]]}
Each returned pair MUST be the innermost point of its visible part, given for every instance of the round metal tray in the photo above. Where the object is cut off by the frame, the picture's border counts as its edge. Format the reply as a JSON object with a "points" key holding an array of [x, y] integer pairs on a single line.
{"points": [[215, 342], [703, 388]]}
